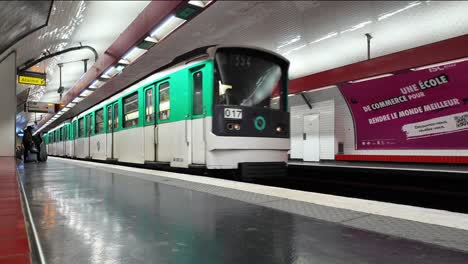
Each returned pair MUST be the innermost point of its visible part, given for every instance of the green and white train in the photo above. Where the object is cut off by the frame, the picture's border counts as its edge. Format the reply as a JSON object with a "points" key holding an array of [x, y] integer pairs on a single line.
{"points": [[215, 107]]}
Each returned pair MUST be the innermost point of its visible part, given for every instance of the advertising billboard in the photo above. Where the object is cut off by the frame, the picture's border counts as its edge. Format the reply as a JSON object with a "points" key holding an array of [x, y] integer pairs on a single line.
{"points": [[425, 109]]}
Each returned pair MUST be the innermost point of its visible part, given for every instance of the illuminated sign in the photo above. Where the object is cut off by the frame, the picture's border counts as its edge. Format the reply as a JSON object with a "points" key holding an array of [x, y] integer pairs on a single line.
{"points": [[40, 107], [33, 78]]}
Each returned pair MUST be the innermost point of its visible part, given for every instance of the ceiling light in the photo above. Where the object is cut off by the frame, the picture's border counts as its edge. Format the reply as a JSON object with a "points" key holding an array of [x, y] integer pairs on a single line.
{"points": [[297, 48], [109, 73], [165, 28], [325, 37], [77, 100], [86, 92], [387, 15], [96, 84], [289, 42], [440, 64], [356, 27], [133, 54], [71, 105], [371, 78]]}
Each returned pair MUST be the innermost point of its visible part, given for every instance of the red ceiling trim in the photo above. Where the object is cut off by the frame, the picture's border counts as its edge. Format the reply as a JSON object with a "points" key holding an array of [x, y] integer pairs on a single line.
{"points": [[450, 49], [153, 14]]}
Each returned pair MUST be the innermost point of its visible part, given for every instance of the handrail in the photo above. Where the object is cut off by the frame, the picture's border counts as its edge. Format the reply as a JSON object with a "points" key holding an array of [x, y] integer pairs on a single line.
{"points": [[30, 63]]}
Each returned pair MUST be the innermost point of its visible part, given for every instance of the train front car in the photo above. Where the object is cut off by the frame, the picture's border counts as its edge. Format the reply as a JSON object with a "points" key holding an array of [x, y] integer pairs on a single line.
{"points": [[250, 122]]}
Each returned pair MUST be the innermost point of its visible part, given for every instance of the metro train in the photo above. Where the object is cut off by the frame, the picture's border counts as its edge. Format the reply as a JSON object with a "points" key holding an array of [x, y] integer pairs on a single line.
{"points": [[216, 107]]}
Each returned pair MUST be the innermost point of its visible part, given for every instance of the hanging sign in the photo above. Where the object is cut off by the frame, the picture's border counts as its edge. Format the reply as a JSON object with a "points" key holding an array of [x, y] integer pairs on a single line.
{"points": [[33, 78], [40, 107]]}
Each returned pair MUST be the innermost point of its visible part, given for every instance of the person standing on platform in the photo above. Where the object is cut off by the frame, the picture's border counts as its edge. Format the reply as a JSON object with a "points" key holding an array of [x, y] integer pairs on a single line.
{"points": [[27, 142]]}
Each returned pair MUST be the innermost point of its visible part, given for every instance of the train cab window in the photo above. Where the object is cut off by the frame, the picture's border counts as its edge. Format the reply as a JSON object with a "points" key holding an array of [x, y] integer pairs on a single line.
{"points": [[88, 125], [149, 105], [116, 116], [130, 110], [164, 101], [109, 118], [81, 128], [99, 121], [249, 79], [197, 106]]}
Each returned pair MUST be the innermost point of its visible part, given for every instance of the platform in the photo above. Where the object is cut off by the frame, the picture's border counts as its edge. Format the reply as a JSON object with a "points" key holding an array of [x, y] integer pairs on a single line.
{"points": [[98, 213], [14, 246]]}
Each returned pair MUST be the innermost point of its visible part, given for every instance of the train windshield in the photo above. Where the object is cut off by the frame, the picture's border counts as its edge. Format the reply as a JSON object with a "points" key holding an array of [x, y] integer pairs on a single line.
{"points": [[246, 78]]}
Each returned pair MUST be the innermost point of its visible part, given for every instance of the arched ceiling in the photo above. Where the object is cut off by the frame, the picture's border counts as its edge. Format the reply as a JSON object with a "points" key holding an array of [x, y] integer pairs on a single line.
{"points": [[93, 23], [20, 18]]}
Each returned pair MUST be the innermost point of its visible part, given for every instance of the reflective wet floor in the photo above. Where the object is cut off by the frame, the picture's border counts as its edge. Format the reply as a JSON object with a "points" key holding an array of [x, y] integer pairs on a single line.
{"points": [[87, 215]]}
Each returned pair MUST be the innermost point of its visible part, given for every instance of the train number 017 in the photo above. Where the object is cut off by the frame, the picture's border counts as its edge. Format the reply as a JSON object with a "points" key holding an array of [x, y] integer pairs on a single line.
{"points": [[233, 113]]}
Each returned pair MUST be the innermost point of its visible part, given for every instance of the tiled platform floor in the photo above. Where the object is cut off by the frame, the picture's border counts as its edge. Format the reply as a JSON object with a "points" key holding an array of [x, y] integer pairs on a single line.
{"points": [[91, 215]]}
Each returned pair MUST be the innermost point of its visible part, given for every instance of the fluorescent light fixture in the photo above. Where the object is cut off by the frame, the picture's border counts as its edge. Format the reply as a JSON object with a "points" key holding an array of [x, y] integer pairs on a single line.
{"points": [[289, 95], [372, 78], [197, 3], [96, 84], [109, 73], [119, 68], [292, 50], [387, 15], [71, 105], [166, 27], [356, 27], [330, 35], [133, 54], [151, 39], [321, 88], [289, 42], [86, 92], [77, 100], [440, 64]]}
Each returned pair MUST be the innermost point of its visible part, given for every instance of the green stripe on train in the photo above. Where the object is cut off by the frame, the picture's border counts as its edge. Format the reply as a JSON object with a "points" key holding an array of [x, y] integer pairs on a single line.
{"points": [[180, 94]]}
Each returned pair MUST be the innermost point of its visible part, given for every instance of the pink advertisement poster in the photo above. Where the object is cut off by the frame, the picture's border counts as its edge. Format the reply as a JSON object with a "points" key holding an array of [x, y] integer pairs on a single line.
{"points": [[425, 109]]}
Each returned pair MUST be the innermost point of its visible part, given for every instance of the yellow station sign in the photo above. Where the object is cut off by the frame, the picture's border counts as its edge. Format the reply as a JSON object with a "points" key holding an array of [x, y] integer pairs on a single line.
{"points": [[32, 78]]}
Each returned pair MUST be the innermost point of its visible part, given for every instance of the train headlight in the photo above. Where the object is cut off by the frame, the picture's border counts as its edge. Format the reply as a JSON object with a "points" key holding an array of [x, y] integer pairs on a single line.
{"points": [[237, 126], [279, 129]]}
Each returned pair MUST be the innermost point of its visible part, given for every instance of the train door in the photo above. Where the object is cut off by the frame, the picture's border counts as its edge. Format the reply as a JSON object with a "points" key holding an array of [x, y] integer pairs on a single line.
{"points": [[112, 124], [65, 140], [311, 138], [197, 112], [150, 128]]}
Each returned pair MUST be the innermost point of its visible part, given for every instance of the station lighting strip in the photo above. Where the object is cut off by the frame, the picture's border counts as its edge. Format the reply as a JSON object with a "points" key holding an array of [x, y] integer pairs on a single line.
{"points": [[169, 25]]}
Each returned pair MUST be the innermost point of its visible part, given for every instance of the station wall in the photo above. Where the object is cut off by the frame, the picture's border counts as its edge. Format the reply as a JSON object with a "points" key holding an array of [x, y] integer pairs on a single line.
{"points": [[337, 136], [7, 105]]}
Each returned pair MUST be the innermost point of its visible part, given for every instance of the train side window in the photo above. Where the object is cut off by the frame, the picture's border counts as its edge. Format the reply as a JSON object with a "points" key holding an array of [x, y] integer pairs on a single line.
{"points": [[164, 101], [109, 118], [99, 121], [116, 116], [149, 105], [65, 132], [88, 125], [130, 110], [81, 128], [197, 106]]}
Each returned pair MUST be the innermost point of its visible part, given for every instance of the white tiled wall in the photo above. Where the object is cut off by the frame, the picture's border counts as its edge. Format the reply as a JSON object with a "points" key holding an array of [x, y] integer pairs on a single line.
{"points": [[341, 121], [7, 105], [326, 110]]}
